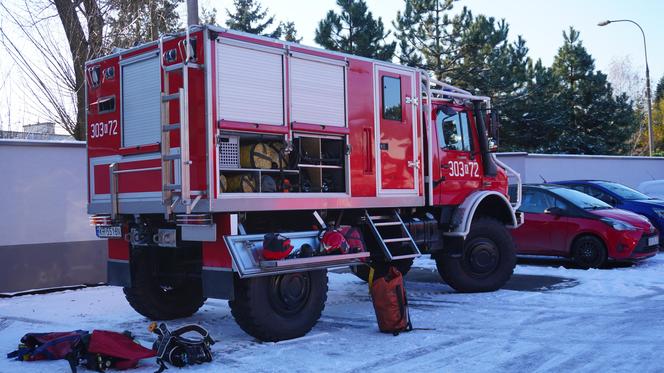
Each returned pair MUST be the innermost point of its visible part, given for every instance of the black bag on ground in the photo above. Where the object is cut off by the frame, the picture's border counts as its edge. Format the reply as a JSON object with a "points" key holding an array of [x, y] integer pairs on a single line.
{"points": [[174, 349]]}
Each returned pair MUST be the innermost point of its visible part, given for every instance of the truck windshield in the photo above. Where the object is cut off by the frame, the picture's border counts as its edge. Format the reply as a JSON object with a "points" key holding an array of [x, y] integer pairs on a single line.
{"points": [[622, 191], [581, 200]]}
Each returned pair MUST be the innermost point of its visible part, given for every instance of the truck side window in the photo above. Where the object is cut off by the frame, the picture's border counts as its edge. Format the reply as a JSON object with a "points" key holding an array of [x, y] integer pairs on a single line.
{"points": [[453, 130], [391, 98]]}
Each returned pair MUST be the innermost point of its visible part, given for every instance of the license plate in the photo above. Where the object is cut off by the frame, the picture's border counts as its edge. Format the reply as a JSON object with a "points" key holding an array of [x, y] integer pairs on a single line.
{"points": [[652, 241], [109, 231]]}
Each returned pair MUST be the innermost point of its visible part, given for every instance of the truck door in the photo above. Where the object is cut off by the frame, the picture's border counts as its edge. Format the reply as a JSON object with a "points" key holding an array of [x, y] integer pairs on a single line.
{"points": [[460, 167], [396, 112]]}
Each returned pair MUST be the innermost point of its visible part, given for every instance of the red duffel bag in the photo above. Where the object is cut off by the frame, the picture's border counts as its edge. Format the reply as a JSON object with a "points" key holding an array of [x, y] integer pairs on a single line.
{"points": [[390, 303]]}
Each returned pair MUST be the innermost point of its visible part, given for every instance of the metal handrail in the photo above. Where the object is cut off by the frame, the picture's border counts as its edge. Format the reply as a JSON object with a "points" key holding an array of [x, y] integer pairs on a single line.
{"points": [[519, 185], [138, 170]]}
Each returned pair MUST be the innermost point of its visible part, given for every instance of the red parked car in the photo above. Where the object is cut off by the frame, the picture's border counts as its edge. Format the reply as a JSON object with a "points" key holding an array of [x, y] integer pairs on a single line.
{"points": [[560, 221]]}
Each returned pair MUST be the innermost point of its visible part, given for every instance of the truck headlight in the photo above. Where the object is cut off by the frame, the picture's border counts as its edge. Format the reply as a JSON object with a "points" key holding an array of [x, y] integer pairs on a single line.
{"points": [[619, 225]]}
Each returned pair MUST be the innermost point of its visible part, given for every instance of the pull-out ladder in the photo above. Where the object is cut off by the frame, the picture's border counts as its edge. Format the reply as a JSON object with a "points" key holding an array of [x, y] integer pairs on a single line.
{"points": [[392, 235], [176, 189]]}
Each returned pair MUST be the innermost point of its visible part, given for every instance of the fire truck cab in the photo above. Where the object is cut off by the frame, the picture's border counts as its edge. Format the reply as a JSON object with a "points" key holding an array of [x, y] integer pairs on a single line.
{"points": [[204, 144]]}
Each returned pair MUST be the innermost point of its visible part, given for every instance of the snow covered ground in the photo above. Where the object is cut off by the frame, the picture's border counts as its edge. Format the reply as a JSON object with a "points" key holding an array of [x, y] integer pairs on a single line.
{"points": [[549, 318]]}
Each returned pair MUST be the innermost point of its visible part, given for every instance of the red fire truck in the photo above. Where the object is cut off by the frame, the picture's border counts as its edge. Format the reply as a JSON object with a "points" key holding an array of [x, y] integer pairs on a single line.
{"points": [[202, 143]]}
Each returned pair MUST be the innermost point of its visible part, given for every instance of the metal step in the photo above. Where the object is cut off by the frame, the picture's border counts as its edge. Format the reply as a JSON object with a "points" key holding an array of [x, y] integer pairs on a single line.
{"points": [[387, 224], [170, 127], [392, 240], [407, 256]]}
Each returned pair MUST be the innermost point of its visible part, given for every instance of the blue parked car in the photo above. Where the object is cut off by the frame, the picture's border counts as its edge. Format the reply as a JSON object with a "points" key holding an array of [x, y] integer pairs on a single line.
{"points": [[623, 197]]}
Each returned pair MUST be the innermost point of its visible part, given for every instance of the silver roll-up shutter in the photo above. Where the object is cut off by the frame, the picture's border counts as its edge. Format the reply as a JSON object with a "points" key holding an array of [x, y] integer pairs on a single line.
{"points": [[250, 84], [141, 93], [318, 92]]}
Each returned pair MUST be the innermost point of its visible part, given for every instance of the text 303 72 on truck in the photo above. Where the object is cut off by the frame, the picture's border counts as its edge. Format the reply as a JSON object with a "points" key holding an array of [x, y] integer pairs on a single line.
{"points": [[211, 148]]}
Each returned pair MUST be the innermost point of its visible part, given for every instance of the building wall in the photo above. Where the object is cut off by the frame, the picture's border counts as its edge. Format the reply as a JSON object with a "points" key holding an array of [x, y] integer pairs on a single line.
{"points": [[631, 171], [44, 231]]}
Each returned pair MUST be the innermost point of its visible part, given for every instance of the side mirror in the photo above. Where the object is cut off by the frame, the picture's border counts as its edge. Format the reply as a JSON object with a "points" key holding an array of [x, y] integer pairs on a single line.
{"points": [[493, 145], [554, 211]]}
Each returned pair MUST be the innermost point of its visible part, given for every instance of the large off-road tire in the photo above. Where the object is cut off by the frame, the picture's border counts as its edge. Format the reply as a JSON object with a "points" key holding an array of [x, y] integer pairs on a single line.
{"points": [[280, 307], [487, 261], [362, 270], [157, 299], [589, 252]]}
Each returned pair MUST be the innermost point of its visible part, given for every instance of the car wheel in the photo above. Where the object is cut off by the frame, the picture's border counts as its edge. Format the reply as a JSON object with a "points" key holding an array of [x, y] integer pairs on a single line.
{"points": [[589, 252]]}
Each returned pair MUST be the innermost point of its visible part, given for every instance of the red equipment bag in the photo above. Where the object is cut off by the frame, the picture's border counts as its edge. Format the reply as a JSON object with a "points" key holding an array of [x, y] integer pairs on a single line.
{"points": [[114, 350], [100, 350], [390, 303]]}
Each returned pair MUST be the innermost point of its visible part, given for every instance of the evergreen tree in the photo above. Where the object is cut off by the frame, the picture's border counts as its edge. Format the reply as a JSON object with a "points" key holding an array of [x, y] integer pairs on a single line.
{"points": [[659, 90], [249, 16], [594, 121], [354, 30], [423, 32], [289, 32], [209, 16], [140, 21]]}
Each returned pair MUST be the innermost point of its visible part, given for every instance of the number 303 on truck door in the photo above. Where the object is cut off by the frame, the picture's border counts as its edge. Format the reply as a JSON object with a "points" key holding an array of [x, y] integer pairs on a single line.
{"points": [[102, 129], [461, 169]]}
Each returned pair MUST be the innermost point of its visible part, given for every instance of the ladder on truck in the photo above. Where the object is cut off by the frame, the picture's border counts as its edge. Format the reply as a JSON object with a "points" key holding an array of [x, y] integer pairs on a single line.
{"points": [[392, 235], [175, 166]]}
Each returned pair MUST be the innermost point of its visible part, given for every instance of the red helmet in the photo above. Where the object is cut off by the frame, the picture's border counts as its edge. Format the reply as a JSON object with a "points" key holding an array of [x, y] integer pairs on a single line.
{"points": [[276, 246], [333, 242]]}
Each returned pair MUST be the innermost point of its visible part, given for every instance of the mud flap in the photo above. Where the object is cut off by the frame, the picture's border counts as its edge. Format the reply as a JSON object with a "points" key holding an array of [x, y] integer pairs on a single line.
{"points": [[118, 272], [218, 283]]}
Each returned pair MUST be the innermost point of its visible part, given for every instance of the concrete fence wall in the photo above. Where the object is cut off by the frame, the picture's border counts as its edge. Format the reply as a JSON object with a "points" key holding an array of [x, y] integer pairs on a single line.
{"points": [[631, 171], [45, 238]]}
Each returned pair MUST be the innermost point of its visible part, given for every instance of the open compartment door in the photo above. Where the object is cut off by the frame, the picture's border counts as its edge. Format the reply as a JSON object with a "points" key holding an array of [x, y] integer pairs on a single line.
{"points": [[246, 251]]}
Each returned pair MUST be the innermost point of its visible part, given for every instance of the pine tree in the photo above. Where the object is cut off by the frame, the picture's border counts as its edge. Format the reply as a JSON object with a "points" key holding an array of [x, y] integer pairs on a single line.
{"points": [[249, 16], [594, 121], [423, 32], [289, 32], [659, 90], [139, 21], [354, 30]]}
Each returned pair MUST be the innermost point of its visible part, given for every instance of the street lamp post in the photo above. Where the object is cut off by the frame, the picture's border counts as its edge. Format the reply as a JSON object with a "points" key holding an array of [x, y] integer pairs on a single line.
{"points": [[645, 49]]}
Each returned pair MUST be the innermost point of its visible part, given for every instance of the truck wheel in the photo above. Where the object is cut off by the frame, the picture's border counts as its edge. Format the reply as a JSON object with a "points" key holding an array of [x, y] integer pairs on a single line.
{"points": [[487, 261], [589, 252], [362, 270], [158, 300], [275, 308]]}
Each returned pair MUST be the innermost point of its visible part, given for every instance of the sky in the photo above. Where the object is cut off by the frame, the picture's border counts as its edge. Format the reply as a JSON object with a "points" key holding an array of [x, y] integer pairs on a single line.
{"points": [[541, 24]]}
